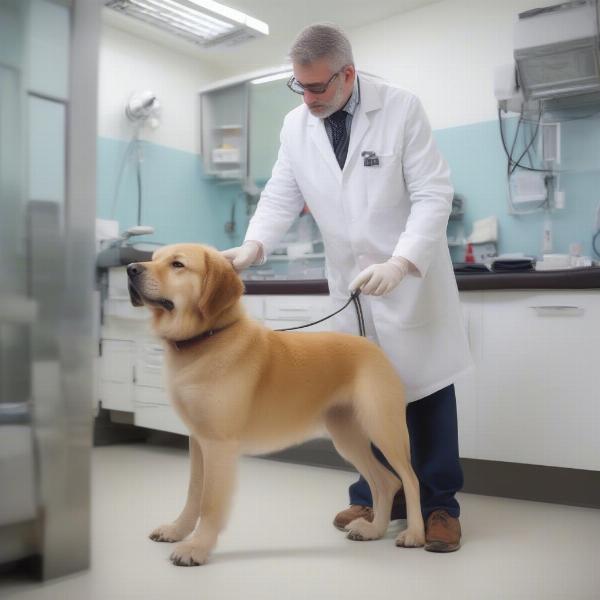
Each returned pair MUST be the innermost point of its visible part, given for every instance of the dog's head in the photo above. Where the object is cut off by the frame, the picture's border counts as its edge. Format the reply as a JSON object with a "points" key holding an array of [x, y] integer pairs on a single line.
{"points": [[189, 288]]}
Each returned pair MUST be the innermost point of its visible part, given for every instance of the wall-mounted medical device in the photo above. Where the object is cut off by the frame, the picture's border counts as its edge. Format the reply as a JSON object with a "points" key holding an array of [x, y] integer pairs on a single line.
{"points": [[556, 50], [143, 107]]}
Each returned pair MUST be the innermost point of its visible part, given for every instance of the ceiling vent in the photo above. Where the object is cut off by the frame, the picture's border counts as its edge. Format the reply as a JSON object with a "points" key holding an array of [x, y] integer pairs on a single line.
{"points": [[203, 22]]}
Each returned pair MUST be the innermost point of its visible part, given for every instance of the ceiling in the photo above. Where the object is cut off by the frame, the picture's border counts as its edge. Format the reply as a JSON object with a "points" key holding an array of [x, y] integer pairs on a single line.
{"points": [[285, 19]]}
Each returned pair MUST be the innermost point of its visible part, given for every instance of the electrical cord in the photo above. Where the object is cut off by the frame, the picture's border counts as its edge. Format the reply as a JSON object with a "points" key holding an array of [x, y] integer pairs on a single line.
{"points": [[509, 154], [533, 137], [512, 165], [594, 241], [510, 161], [131, 146]]}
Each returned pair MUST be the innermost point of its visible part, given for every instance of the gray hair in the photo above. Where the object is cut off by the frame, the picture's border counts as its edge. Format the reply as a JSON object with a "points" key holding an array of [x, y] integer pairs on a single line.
{"points": [[322, 40]]}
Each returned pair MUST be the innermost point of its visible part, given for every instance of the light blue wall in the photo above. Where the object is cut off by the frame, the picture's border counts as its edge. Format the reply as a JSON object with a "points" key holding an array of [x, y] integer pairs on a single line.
{"points": [[185, 206], [478, 164], [181, 204]]}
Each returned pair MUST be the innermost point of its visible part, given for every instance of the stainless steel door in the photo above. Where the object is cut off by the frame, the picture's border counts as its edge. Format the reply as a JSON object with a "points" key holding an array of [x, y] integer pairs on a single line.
{"points": [[48, 85], [18, 499]]}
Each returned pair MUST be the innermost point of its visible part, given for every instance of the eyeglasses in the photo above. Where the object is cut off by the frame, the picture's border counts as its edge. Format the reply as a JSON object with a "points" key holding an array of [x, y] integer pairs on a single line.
{"points": [[313, 88]]}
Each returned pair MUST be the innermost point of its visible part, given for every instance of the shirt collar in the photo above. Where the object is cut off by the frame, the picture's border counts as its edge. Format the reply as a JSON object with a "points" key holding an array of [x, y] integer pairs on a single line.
{"points": [[354, 100]]}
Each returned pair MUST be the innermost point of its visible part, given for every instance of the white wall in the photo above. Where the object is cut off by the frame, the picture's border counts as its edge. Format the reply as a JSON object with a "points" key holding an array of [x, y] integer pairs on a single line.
{"points": [[130, 63], [445, 53]]}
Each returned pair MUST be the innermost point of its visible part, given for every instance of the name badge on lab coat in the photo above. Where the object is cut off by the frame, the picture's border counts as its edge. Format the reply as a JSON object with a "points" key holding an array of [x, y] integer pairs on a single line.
{"points": [[370, 159]]}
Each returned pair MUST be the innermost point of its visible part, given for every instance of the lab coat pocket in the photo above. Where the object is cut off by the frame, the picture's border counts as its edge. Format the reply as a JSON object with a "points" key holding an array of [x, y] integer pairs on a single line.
{"points": [[413, 303], [384, 182]]}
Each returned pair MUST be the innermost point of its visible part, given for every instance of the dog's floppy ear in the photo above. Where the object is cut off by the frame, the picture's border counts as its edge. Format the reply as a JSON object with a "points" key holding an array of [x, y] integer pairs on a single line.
{"points": [[222, 287]]}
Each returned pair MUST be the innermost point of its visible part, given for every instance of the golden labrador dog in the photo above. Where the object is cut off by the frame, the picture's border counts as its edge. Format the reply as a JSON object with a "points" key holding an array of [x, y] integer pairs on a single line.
{"points": [[240, 387]]}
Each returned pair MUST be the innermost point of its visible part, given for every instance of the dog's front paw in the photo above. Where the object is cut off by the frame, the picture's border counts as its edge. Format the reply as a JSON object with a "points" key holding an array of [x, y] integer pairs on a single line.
{"points": [[410, 539], [168, 533], [189, 554], [360, 530]]}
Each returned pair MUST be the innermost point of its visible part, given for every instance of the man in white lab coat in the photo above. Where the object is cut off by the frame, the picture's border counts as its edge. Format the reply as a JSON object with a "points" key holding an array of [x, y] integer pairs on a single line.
{"points": [[360, 153]]}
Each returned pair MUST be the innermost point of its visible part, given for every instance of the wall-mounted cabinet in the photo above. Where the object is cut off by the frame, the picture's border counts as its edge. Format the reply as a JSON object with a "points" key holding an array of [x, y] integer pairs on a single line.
{"points": [[240, 123], [224, 125]]}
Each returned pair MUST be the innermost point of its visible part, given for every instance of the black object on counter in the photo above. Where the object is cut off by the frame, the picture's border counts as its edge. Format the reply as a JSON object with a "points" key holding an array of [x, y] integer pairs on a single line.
{"points": [[503, 265], [470, 268]]}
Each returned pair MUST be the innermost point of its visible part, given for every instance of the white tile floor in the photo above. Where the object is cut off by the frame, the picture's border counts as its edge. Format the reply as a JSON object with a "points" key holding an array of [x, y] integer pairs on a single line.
{"points": [[280, 543]]}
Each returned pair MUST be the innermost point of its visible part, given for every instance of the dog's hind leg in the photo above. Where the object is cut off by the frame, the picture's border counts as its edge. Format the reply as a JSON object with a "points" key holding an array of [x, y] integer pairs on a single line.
{"points": [[353, 444], [184, 524]]}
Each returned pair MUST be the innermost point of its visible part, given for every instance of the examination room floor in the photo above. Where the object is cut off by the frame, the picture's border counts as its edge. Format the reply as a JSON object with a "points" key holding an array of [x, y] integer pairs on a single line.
{"points": [[280, 543]]}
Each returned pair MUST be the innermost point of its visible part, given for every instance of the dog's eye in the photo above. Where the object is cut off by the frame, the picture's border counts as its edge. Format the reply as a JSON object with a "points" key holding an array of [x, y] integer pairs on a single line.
{"points": [[177, 265]]}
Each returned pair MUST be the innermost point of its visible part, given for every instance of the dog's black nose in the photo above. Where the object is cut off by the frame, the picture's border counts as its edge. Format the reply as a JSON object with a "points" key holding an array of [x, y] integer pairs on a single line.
{"points": [[134, 269]]}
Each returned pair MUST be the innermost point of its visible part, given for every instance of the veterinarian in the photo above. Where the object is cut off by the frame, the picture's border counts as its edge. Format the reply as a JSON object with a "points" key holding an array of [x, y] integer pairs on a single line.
{"points": [[360, 153]]}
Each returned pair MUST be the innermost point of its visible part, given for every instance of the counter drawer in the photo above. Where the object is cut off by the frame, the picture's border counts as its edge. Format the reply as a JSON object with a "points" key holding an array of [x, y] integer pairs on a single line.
{"points": [[149, 366], [116, 374], [150, 395]]}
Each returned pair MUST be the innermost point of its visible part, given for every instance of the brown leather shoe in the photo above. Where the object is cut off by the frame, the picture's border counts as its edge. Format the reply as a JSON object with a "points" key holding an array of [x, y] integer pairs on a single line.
{"points": [[354, 512], [366, 512], [442, 532]]}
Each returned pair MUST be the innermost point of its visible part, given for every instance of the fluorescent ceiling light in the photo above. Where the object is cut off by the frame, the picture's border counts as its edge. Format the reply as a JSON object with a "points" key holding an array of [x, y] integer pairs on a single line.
{"points": [[275, 77], [204, 22]]}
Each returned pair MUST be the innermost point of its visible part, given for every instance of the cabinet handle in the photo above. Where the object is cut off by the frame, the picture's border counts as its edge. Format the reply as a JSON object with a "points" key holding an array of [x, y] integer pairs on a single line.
{"points": [[558, 310], [283, 309]]}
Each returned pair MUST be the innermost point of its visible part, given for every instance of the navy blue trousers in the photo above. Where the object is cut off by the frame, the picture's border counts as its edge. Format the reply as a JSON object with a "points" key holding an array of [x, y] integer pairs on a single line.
{"points": [[433, 430]]}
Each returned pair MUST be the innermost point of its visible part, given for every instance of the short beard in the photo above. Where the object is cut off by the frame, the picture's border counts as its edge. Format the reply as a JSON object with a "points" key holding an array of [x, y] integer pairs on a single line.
{"points": [[328, 109]]}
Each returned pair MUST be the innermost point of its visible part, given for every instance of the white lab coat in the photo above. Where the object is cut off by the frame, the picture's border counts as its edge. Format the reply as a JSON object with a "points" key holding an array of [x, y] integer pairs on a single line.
{"points": [[367, 214]]}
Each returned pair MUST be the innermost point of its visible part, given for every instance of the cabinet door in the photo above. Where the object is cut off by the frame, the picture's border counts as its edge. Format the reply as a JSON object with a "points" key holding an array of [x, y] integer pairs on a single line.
{"points": [[116, 374], [466, 384], [152, 410], [538, 399], [149, 368], [254, 305]]}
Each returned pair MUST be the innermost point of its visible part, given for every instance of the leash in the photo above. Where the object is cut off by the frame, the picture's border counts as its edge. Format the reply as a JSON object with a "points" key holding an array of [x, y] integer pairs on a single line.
{"points": [[183, 344], [354, 297]]}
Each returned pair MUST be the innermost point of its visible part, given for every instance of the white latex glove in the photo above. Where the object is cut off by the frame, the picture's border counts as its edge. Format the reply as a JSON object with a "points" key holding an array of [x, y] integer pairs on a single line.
{"points": [[381, 278], [244, 256]]}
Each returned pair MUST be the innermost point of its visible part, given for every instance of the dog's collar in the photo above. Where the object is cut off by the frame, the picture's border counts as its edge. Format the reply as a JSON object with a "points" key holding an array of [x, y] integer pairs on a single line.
{"points": [[183, 344]]}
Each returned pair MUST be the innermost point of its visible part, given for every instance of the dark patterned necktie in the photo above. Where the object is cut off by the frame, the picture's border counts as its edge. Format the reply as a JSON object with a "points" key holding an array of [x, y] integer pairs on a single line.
{"points": [[339, 136]]}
